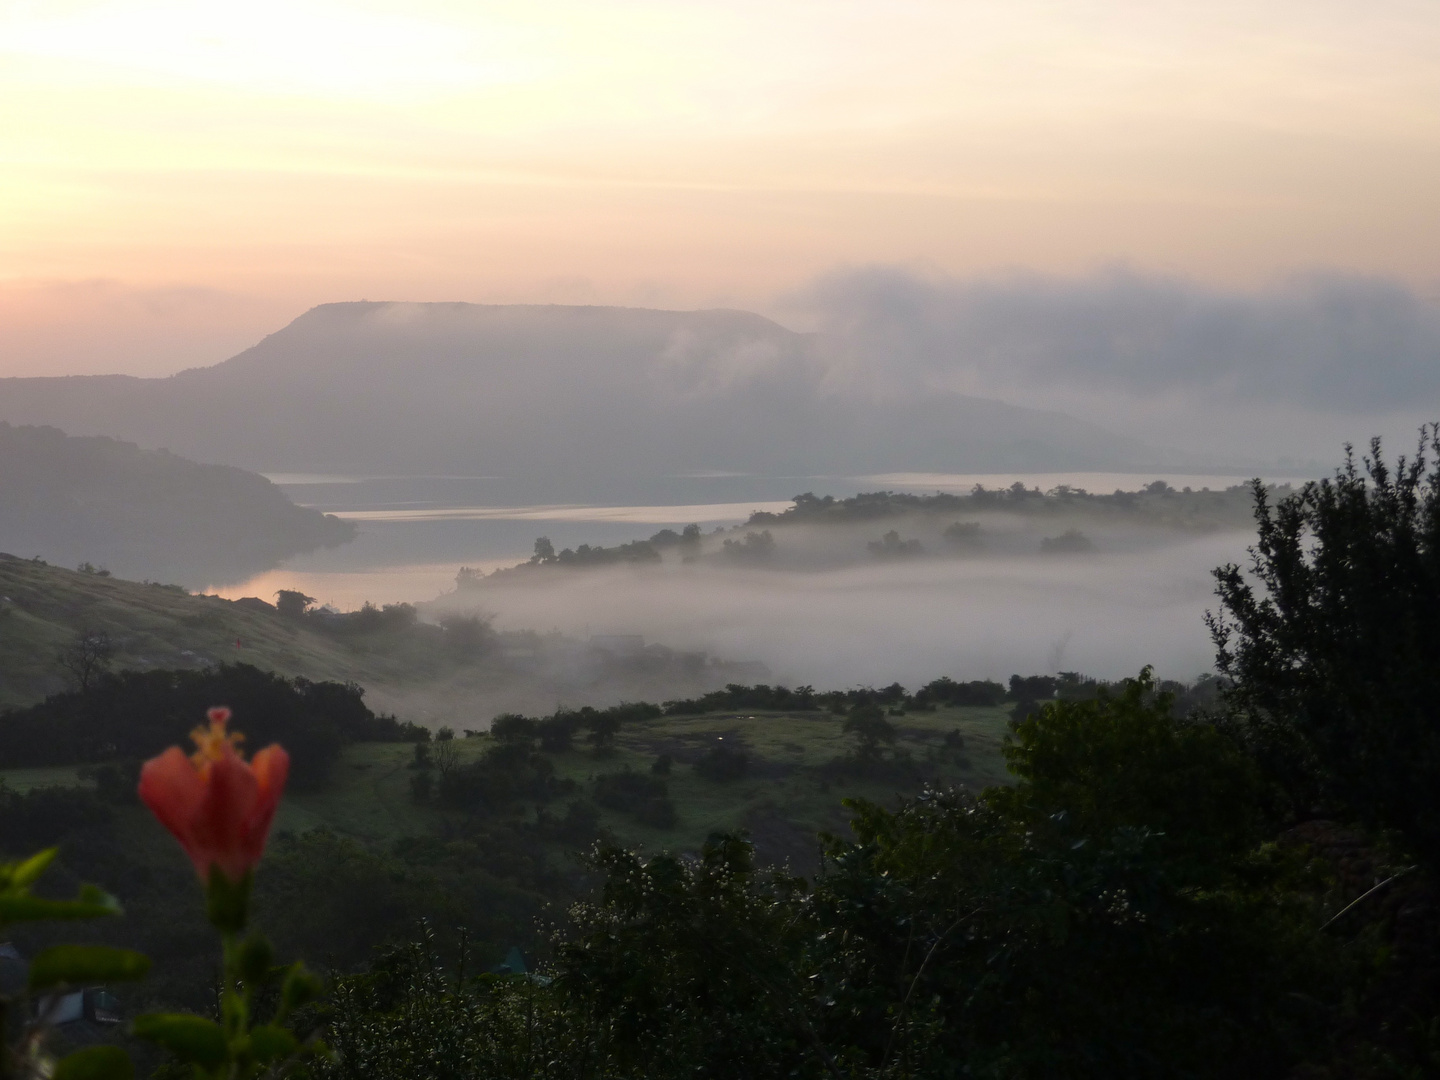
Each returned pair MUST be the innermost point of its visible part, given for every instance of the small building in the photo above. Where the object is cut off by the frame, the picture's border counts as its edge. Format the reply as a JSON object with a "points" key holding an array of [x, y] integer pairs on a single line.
{"points": [[92, 1005]]}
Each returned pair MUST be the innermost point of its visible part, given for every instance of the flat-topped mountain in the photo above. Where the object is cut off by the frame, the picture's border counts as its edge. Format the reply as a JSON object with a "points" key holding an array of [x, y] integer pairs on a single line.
{"points": [[146, 513], [540, 392]]}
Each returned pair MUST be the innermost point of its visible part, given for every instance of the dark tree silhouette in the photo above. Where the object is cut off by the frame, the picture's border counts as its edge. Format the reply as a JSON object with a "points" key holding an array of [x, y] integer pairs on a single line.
{"points": [[868, 724], [1333, 640], [292, 603], [87, 658]]}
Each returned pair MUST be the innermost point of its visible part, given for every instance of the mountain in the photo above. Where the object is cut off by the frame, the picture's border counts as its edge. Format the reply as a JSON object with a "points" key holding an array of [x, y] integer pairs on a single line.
{"points": [[146, 513], [549, 393]]}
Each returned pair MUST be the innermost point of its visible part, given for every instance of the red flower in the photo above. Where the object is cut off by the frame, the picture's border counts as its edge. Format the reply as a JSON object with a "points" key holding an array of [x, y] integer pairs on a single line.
{"points": [[215, 803]]}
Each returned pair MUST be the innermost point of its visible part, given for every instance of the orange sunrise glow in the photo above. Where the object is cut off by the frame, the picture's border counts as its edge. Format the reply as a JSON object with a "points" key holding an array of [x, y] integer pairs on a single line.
{"points": [[181, 178]]}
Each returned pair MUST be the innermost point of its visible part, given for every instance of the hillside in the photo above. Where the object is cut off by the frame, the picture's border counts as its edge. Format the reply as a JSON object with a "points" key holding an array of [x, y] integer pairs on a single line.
{"points": [[577, 399], [146, 513], [459, 675]]}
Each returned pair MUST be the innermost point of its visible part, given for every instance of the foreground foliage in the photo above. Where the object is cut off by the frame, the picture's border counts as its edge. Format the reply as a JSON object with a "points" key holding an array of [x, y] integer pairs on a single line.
{"points": [[1160, 891], [1114, 913]]}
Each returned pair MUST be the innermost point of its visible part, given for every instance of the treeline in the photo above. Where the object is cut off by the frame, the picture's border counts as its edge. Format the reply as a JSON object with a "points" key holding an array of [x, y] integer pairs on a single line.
{"points": [[754, 544], [128, 716], [459, 636], [1157, 499], [687, 541], [557, 730]]}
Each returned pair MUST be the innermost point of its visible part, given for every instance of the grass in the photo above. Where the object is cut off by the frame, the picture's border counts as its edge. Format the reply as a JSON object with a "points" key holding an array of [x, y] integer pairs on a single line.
{"points": [[792, 791], [49, 776]]}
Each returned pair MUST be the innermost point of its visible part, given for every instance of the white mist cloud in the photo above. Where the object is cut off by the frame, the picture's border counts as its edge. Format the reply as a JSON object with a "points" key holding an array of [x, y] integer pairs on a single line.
{"points": [[1106, 614], [1337, 342], [1298, 367]]}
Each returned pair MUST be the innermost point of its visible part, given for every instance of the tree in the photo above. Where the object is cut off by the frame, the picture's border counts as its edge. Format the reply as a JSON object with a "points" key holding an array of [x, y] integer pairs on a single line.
{"points": [[868, 724], [87, 658], [603, 727], [544, 550], [468, 636], [691, 967], [444, 753], [756, 547], [556, 733], [1333, 646], [292, 603], [514, 728]]}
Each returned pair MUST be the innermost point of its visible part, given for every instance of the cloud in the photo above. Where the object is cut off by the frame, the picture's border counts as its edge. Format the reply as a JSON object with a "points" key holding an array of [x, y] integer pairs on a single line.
{"points": [[1331, 342]]}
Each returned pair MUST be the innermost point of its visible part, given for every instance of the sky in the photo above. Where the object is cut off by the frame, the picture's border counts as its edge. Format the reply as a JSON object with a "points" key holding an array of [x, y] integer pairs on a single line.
{"points": [[178, 179]]}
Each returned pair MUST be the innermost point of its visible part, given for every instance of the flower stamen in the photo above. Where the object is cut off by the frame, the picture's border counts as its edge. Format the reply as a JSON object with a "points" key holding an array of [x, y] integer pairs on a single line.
{"points": [[214, 742]]}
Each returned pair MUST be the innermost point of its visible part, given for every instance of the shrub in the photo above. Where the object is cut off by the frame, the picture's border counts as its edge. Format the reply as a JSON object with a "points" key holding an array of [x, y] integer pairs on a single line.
{"points": [[136, 714], [644, 797], [723, 761]]}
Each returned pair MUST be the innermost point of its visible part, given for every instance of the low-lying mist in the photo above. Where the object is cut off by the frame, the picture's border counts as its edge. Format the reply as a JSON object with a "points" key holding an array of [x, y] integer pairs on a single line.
{"points": [[1105, 613]]}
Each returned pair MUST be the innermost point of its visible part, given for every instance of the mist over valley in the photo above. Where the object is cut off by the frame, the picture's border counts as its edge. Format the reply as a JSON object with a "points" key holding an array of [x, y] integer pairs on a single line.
{"points": [[451, 435], [888, 541]]}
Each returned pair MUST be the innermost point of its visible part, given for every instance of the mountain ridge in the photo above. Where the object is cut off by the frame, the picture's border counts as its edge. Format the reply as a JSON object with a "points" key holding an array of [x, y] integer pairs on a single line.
{"points": [[541, 392]]}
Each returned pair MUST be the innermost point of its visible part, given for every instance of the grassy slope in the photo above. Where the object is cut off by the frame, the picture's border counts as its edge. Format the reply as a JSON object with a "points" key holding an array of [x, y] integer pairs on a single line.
{"points": [[409, 672], [789, 796], [791, 793], [155, 626]]}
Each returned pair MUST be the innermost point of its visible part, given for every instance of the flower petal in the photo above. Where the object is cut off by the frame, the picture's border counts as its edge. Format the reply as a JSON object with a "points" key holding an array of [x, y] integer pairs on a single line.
{"points": [[173, 790], [219, 829], [271, 767]]}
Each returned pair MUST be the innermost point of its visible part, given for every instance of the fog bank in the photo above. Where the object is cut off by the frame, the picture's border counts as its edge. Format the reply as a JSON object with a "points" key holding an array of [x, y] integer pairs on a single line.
{"points": [[1106, 614]]}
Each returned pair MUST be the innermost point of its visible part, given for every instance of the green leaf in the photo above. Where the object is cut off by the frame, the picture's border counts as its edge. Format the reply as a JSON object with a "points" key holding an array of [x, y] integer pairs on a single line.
{"points": [[192, 1039], [300, 986], [28, 872], [22, 908], [95, 1063], [93, 894], [269, 1043], [256, 959], [78, 964]]}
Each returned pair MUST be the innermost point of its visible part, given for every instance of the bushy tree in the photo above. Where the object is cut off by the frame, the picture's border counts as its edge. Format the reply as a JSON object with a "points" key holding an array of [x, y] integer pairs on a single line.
{"points": [[134, 714], [868, 724], [1332, 641], [693, 967], [1106, 915], [292, 603]]}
